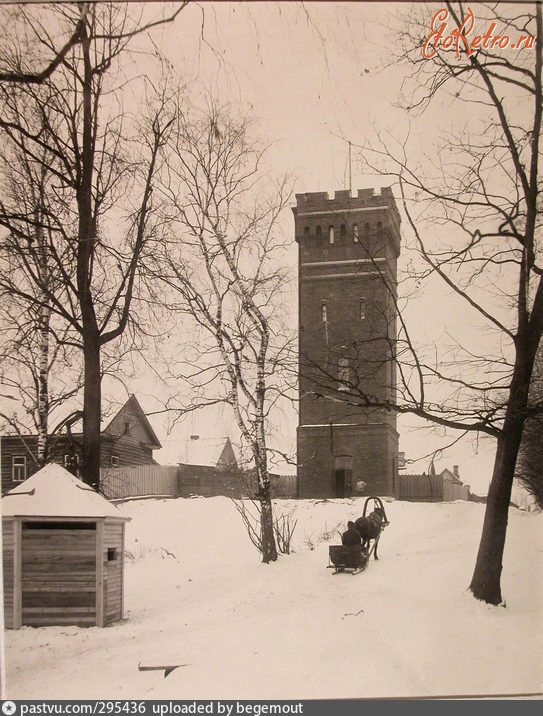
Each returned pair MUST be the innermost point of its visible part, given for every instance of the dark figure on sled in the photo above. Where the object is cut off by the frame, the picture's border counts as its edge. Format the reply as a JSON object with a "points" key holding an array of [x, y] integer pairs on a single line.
{"points": [[356, 547]]}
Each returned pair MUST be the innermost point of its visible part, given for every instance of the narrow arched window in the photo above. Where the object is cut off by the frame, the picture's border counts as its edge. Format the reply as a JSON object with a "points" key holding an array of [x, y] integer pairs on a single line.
{"points": [[343, 373], [331, 234], [362, 309], [342, 230], [319, 232], [324, 313], [306, 231], [355, 233]]}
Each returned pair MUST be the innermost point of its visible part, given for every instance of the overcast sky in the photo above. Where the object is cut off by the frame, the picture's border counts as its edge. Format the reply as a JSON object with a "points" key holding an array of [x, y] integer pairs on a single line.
{"points": [[312, 77]]}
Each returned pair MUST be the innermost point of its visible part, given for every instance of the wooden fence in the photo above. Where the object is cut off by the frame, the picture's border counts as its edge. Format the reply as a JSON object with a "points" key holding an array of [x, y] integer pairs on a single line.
{"points": [[186, 481], [285, 486], [189, 480], [430, 488], [452, 491], [139, 481]]}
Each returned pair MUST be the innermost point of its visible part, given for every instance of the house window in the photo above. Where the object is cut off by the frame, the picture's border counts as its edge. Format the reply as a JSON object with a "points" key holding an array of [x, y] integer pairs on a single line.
{"points": [[114, 461], [18, 468], [362, 309], [324, 313], [343, 373], [331, 234], [71, 463], [126, 427], [112, 554], [355, 233]]}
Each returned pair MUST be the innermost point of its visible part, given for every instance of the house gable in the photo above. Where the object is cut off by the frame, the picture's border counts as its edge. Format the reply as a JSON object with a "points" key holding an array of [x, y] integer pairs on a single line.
{"points": [[132, 422], [128, 439]]}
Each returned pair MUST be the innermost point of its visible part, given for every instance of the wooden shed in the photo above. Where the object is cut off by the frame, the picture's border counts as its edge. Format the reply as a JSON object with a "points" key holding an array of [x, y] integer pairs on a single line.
{"points": [[63, 546]]}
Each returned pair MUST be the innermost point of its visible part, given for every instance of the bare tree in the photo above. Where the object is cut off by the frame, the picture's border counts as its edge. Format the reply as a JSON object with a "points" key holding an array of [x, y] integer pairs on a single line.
{"points": [[34, 343], [474, 217], [529, 468], [104, 162], [22, 63], [222, 269]]}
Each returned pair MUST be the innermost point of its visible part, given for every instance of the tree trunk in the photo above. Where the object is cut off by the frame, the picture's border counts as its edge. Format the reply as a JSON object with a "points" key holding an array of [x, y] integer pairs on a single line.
{"points": [[485, 582], [85, 255], [91, 412], [269, 548], [43, 385]]}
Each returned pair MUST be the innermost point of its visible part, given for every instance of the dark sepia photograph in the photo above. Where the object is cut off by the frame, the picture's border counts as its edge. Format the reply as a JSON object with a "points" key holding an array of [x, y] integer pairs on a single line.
{"points": [[271, 367]]}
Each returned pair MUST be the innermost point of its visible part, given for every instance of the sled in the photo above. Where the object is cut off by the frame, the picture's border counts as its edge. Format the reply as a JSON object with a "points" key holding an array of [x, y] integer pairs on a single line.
{"points": [[347, 558], [355, 558]]}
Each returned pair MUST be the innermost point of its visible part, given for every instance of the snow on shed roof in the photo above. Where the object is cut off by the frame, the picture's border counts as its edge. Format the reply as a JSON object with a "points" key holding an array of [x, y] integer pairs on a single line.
{"points": [[55, 492]]}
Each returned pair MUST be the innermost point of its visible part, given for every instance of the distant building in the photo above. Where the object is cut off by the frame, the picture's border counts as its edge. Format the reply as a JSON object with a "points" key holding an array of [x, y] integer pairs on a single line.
{"points": [[211, 452], [348, 248], [444, 486], [128, 439]]}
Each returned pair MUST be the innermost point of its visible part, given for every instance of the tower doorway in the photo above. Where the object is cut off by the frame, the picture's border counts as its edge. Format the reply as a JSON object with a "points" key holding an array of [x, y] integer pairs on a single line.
{"points": [[343, 475]]}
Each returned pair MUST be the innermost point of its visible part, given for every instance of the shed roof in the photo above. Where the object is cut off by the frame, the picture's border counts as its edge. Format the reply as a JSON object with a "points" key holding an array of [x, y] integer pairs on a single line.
{"points": [[55, 492]]}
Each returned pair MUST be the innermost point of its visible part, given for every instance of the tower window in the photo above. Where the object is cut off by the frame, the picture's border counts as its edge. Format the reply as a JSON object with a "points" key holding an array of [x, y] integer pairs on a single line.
{"points": [[366, 226], [342, 230], [331, 234], [343, 373], [319, 231], [324, 313], [362, 309], [379, 225], [355, 233], [306, 231]]}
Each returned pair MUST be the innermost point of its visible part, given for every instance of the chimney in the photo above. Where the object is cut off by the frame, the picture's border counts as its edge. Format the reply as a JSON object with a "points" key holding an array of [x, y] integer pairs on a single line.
{"points": [[455, 471]]}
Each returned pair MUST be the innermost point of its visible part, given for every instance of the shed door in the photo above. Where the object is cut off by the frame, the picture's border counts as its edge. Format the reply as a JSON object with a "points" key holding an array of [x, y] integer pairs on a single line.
{"points": [[58, 573]]}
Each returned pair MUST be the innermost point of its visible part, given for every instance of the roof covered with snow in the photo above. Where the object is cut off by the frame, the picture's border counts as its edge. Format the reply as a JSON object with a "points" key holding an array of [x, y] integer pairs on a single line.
{"points": [[55, 492], [210, 452]]}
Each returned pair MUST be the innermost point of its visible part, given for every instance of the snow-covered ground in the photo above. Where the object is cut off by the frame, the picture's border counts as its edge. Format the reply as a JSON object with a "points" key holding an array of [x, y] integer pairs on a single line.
{"points": [[197, 595]]}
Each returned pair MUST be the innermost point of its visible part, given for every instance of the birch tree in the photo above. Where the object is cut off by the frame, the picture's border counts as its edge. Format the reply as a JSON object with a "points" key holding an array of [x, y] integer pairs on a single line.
{"points": [[222, 270]]}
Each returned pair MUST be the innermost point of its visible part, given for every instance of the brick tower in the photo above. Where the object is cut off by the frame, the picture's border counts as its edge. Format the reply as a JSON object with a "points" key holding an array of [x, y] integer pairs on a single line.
{"points": [[347, 253]]}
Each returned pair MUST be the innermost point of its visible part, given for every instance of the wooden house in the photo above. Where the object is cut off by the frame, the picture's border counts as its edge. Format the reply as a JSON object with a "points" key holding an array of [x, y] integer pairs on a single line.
{"points": [[128, 439], [62, 545]]}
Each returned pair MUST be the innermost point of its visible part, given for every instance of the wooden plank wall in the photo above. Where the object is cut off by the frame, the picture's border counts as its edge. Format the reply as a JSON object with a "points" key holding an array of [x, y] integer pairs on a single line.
{"points": [[8, 546], [113, 572], [58, 577], [453, 491], [284, 486], [214, 483], [185, 481], [139, 480], [427, 488]]}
